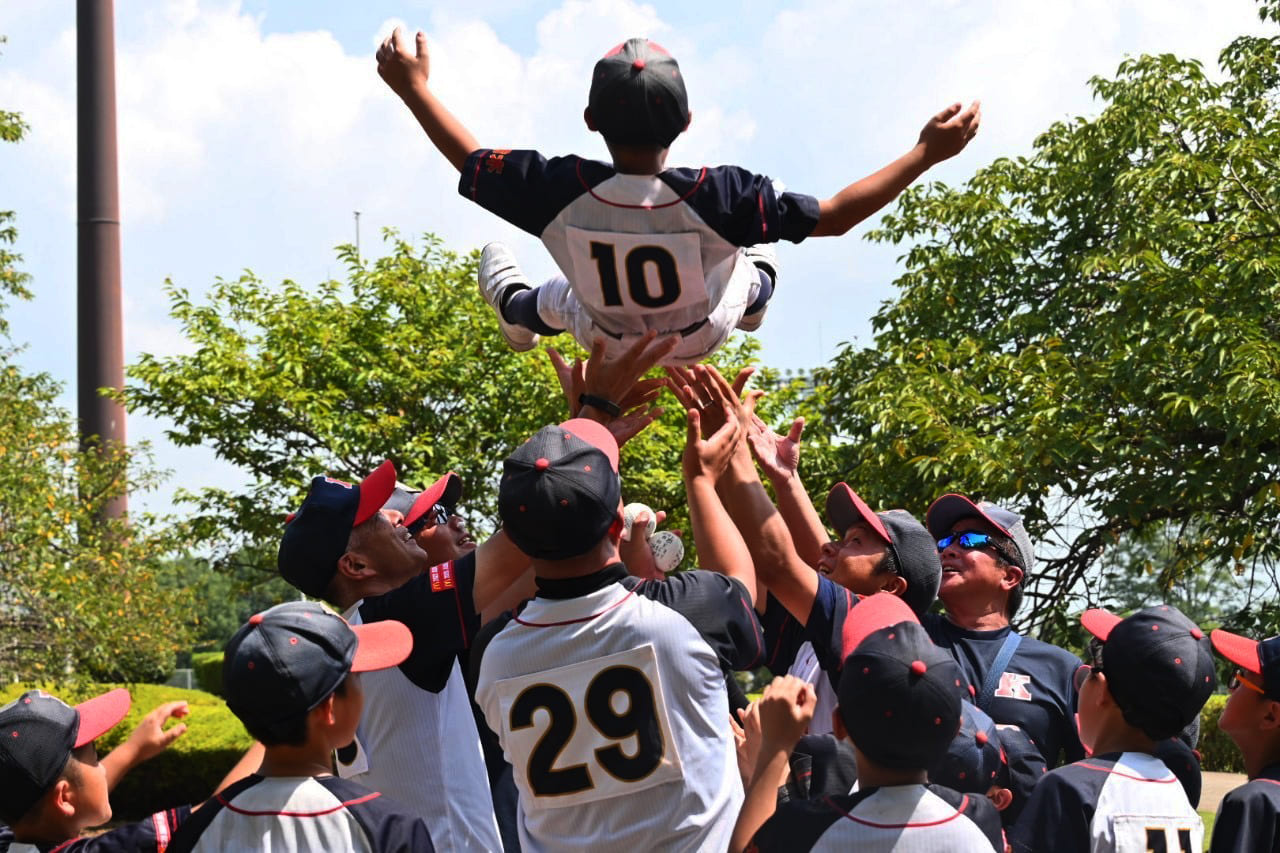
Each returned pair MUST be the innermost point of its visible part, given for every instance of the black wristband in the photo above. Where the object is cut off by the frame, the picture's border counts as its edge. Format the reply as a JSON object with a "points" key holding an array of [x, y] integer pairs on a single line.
{"points": [[607, 406]]}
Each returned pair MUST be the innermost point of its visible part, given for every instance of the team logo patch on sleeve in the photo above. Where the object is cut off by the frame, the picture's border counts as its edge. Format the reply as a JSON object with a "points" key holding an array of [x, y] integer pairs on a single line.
{"points": [[496, 160], [442, 577]]}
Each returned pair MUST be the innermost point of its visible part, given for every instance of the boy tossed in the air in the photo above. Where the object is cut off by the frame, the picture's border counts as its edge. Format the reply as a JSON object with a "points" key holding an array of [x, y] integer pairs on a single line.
{"points": [[682, 251]]}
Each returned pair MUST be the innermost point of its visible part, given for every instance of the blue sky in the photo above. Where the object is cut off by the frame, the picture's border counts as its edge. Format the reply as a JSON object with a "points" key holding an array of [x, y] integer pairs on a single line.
{"points": [[251, 131]]}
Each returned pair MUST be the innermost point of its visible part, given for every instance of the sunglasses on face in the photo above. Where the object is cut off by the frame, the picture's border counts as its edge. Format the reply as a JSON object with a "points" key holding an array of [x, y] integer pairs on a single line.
{"points": [[438, 514], [970, 540], [1242, 678]]}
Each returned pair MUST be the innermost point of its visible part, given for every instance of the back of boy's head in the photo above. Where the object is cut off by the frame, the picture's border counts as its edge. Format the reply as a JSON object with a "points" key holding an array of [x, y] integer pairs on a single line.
{"points": [[637, 95], [38, 734], [285, 661], [900, 695], [1158, 666]]}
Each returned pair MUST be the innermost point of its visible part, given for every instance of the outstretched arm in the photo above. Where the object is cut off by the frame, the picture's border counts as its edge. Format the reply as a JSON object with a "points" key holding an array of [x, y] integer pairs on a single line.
{"points": [[944, 136], [406, 73], [779, 458], [148, 740]]}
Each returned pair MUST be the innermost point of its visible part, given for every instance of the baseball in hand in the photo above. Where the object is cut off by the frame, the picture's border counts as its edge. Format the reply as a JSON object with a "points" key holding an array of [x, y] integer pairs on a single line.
{"points": [[668, 550], [629, 514]]}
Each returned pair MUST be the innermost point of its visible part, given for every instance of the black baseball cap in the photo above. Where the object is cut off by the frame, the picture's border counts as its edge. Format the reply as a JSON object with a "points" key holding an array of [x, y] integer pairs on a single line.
{"points": [[900, 695], [560, 490], [285, 661], [943, 513], [1260, 657], [38, 732], [1159, 666], [1023, 767], [915, 548], [637, 95], [315, 537], [973, 760]]}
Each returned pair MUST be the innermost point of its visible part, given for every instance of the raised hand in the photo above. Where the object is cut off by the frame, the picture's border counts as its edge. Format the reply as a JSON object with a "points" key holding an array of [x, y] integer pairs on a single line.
{"points": [[946, 134], [402, 68], [708, 457], [778, 455], [786, 709], [692, 388]]}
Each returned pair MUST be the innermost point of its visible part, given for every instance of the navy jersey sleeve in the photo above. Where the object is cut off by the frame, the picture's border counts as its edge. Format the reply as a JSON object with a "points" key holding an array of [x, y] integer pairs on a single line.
{"points": [[825, 628], [525, 188], [1246, 821], [152, 834], [783, 636], [718, 606], [797, 825], [742, 207], [1056, 817], [438, 606], [979, 811], [387, 827]]}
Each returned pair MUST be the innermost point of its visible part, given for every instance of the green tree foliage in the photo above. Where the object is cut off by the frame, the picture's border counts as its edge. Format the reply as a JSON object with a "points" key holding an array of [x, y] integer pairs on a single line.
{"points": [[1090, 333], [403, 361], [79, 596]]}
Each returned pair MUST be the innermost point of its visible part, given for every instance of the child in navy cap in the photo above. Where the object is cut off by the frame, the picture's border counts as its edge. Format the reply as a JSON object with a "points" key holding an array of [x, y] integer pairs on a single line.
{"points": [[52, 783], [291, 674], [1249, 817], [901, 705], [1150, 675]]}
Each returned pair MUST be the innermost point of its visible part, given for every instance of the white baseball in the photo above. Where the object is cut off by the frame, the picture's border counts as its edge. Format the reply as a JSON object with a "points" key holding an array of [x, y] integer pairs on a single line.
{"points": [[629, 514], [668, 550]]}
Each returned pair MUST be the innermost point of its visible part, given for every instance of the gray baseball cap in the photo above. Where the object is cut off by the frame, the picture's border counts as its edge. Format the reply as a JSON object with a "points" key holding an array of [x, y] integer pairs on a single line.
{"points": [[948, 509]]}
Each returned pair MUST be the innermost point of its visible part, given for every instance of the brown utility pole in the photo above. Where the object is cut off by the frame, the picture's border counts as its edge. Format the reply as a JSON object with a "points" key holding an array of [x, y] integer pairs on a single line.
{"points": [[99, 327]]}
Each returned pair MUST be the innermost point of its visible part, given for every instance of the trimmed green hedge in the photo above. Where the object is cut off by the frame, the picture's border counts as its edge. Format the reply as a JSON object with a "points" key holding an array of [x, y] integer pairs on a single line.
{"points": [[189, 770], [208, 671], [1217, 750]]}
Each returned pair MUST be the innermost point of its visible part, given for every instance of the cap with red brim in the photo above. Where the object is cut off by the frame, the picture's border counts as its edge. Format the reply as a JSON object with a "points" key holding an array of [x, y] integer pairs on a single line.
{"points": [[382, 645], [1260, 657], [447, 490], [101, 714]]}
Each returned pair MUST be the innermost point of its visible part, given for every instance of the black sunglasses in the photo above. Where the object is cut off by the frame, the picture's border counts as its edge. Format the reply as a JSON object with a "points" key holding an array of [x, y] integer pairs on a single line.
{"points": [[438, 514]]}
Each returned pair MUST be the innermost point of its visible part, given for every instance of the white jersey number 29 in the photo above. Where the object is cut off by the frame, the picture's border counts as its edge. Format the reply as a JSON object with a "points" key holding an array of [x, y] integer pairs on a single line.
{"points": [[625, 744]]}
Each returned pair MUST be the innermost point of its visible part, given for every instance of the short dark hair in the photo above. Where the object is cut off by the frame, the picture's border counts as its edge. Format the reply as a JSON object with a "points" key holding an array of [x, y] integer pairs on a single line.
{"points": [[292, 730], [1006, 551], [888, 564]]}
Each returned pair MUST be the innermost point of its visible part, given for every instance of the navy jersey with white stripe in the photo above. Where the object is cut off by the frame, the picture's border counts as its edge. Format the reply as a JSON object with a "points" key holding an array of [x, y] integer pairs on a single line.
{"points": [[1248, 819], [1035, 691], [640, 251], [301, 813], [153, 834], [897, 818], [1119, 802], [608, 696]]}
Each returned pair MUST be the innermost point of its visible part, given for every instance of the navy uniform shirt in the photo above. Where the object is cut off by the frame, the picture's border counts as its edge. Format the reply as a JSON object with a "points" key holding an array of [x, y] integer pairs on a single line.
{"points": [[1035, 692], [1110, 802], [152, 834], [897, 817], [1249, 818]]}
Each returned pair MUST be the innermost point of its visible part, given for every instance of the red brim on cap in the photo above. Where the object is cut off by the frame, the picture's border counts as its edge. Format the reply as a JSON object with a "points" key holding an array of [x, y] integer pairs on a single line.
{"points": [[845, 509], [871, 614], [596, 435], [432, 495], [101, 714], [382, 645], [375, 489], [1099, 622], [1241, 651]]}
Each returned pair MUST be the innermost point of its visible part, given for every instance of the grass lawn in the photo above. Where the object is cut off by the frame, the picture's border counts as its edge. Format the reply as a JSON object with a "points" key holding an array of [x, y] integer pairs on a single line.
{"points": [[1208, 817]]}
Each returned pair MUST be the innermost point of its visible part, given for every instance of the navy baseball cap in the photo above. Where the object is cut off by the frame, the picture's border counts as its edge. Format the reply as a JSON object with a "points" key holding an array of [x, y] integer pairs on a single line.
{"points": [[637, 95], [1159, 666], [1260, 657], [900, 695], [560, 490], [446, 491], [37, 735], [285, 661], [1023, 767], [914, 547], [315, 537], [943, 513], [973, 759]]}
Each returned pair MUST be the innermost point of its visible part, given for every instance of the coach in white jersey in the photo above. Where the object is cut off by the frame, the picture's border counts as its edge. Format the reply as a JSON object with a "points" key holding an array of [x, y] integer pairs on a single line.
{"points": [[1150, 675], [607, 691], [417, 741]]}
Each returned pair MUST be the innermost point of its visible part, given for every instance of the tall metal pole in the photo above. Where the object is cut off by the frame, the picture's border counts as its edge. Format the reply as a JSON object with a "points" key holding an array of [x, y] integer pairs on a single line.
{"points": [[357, 235], [99, 328]]}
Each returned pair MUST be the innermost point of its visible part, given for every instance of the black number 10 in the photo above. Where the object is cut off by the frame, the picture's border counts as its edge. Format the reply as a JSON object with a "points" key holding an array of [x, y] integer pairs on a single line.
{"points": [[637, 285], [639, 720]]}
